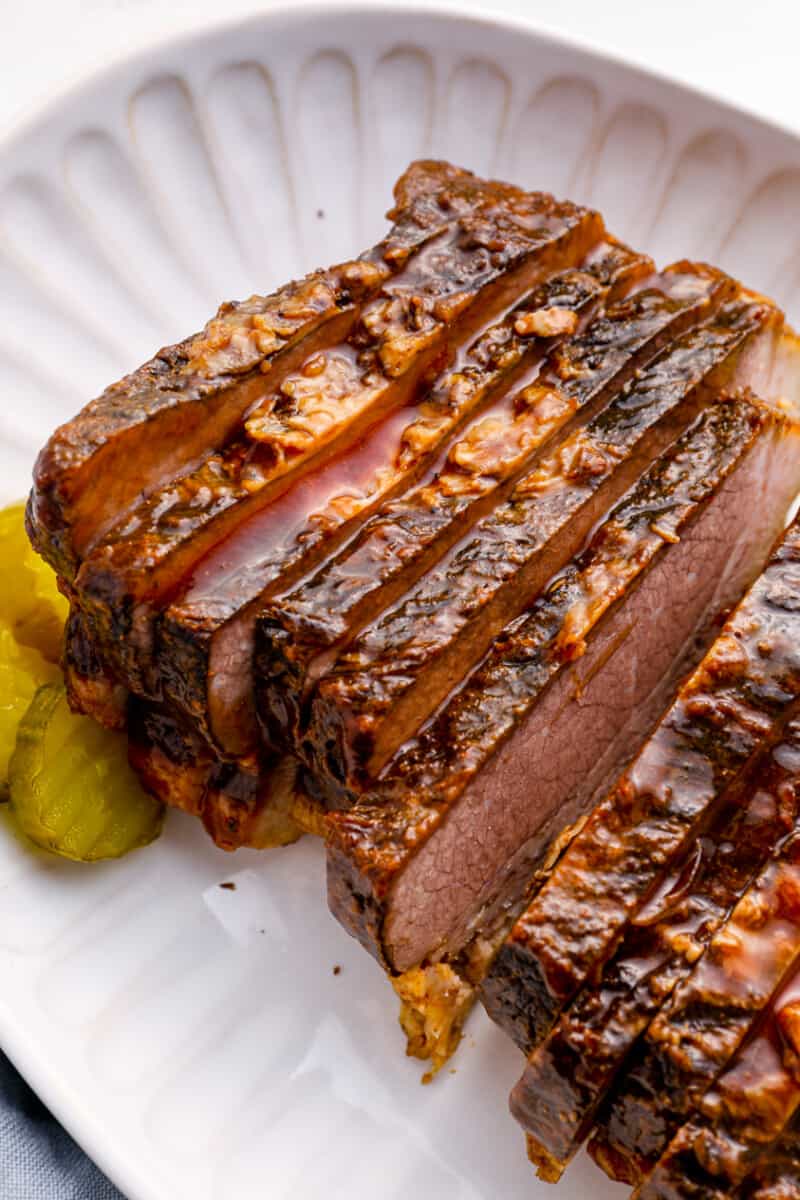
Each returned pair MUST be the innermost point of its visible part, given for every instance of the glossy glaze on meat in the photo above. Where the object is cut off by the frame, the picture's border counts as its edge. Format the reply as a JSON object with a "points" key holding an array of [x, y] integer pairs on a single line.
{"points": [[459, 819], [402, 667], [699, 1027], [721, 720], [304, 631], [570, 1074], [191, 397], [742, 1117], [438, 298], [205, 637]]}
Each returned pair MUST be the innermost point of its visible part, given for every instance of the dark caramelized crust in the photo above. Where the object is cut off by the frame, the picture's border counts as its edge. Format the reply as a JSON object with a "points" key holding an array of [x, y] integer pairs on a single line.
{"points": [[403, 665], [189, 397], [91, 687], [252, 803], [459, 821], [702, 1024], [172, 762], [569, 1075], [721, 719], [205, 637], [299, 635], [777, 1174], [187, 400], [742, 1117], [443, 294]]}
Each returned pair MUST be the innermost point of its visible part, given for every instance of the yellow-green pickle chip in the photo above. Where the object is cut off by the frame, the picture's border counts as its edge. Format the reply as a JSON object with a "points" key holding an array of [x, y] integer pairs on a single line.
{"points": [[31, 605], [22, 670], [68, 780], [71, 787]]}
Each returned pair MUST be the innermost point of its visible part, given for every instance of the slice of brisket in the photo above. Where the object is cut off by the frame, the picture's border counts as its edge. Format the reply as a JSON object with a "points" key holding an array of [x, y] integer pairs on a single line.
{"points": [[403, 666], [721, 719], [568, 1076], [702, 1024], [443, 295], [305, 629], [187, 400], [742, 1117], [460, 821], [205, 637]]}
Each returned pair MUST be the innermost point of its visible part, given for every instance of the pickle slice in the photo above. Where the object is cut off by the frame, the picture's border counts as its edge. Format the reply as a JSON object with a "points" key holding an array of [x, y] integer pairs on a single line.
{"points": [[22, 670], [71, 787], [30, 602]]}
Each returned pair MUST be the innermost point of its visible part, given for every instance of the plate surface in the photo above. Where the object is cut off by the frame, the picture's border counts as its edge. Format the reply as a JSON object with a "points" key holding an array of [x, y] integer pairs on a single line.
{"points": [[195, 1039]]}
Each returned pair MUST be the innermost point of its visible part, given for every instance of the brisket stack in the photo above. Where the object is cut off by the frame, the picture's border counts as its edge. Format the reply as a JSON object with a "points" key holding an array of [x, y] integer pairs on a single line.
{"points": [[654, 947], [415, 554]]}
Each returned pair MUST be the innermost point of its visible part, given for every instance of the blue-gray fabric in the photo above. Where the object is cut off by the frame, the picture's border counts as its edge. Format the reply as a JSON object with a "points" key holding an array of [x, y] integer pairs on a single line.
{"points": [[38, 1160]]}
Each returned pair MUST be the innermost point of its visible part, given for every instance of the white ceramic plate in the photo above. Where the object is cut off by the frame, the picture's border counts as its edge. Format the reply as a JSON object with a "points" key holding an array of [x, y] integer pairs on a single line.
{"points": [[195, 1039]]}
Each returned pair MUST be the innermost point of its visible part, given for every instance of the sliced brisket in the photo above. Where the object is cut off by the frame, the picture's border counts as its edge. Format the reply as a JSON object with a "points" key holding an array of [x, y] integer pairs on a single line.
{"points": [[721, 719], [254, 804], [188, 400], [568, 1076], [742, 1117], [414, 554], [302, 633], [205, 637], [702, 1024], [443, 295], [403, 665], [460, 821]]}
